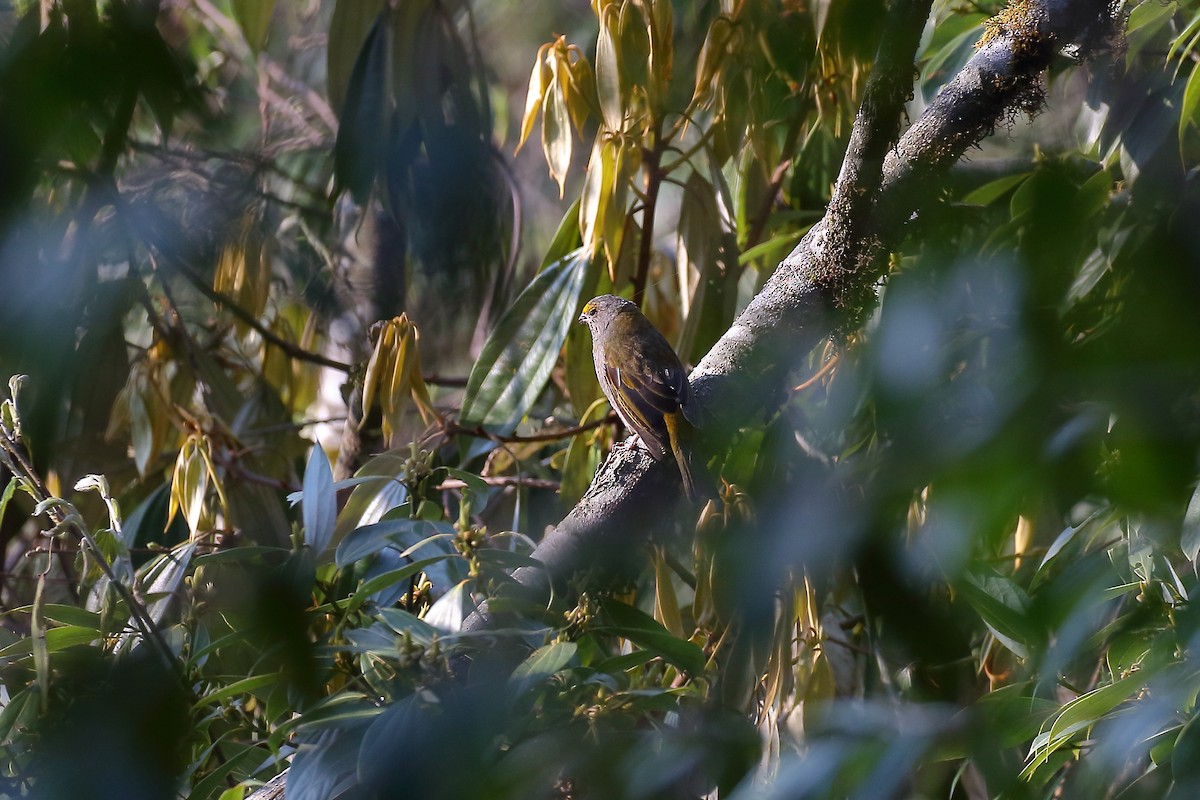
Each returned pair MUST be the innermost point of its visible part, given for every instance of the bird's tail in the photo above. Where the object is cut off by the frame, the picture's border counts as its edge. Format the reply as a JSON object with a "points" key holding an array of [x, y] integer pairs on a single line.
{"points": [[696, 480]]}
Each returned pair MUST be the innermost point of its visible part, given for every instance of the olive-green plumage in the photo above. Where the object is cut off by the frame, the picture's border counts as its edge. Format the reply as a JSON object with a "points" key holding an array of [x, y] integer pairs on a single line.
{"points": [[643, 379]]}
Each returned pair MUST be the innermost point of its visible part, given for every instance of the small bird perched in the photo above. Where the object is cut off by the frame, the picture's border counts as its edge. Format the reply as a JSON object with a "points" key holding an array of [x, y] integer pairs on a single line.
{"points": [[643, 379]]}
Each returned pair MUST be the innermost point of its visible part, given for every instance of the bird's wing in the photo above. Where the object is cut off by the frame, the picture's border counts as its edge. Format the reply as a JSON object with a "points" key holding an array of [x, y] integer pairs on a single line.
{"points": [[644, 395]]}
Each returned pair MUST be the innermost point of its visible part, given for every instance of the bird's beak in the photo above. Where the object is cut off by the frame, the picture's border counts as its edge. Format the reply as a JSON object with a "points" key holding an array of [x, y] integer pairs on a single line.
{"points": [[581, 320]]}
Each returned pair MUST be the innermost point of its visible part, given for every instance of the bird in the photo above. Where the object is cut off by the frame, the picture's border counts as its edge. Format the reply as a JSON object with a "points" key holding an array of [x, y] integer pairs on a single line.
{"points": [[644, 381]]}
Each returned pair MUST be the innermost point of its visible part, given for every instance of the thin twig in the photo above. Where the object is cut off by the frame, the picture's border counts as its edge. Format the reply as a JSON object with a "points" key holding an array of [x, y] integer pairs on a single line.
{"points": [[451, 427], [502, 480]]}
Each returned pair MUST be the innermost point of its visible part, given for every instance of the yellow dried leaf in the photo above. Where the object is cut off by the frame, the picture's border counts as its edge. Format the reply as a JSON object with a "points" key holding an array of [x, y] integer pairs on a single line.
{"points": [[539, 81]]}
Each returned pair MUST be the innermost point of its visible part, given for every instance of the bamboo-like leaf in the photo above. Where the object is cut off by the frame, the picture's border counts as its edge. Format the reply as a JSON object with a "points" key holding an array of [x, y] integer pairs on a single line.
{"points": [[583, 99], [994, 190], [1003, 606], [539, 81], [711, 58], [626, 162], [1189, 539], [662, 42], [363, 118], [820, 16], [349, 25], [189, 484], [666, 601], [556, 135], [608, 74], [254, 16], [393, 375], [541, 666], [642, 629], [521, 352], [818, 690], [634, 52], [696, 256], [37, 637], [633, 48], [1191, 102], [1080, 714], [597, 191], [320, 502], [583, 456]]}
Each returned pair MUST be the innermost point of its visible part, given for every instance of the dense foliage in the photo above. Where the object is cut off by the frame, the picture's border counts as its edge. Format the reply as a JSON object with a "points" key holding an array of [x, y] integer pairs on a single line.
{"points": [[957, 562]]}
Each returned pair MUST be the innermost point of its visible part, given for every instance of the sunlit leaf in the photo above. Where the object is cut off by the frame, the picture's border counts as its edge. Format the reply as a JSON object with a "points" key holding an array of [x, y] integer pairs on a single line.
{"points": [[393, 376], [556, 135], [1080, 714], [520, 353], [608, 74], [1191, 102], [369, 502], [594, 202], [666, 602], [539, 81], [189, 484]]}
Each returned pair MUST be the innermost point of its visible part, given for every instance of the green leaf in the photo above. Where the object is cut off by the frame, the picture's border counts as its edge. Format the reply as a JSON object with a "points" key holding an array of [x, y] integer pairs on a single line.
{"points": [[237, 688], [402, 622], [370, 539], [1144, 22], [520, 354], [644, 631], [595, 199], [325, 758], [993, 191], [9, 489], [240, 553], [506, 559], [349, 25], [255, 18], [320, 501], [19, 712], [1191, 101], [362, 129], [1189, 539], [1003, 606], [387, 579], [58, 638], [160, 579], [566, 238], [67, 615], [368, 503], [543, 664], [1080, 714]]}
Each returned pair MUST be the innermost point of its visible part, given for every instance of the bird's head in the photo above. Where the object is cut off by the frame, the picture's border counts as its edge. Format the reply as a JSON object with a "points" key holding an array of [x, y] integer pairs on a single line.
{"points": [[599, 311]]}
